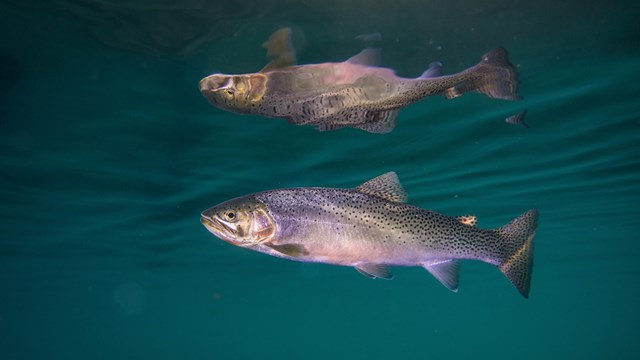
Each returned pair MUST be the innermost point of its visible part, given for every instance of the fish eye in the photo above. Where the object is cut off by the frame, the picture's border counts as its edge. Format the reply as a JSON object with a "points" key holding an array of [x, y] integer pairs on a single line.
{"points": [[228, 93], [230, 215]]}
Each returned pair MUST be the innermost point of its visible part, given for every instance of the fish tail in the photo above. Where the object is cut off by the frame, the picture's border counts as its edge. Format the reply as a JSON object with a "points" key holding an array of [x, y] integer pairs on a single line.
{"points": [[517, 235], [494, 76]]}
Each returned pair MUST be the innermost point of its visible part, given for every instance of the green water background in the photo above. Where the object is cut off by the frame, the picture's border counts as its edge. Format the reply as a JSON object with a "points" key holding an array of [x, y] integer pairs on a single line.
{"points": [[108, 153]]}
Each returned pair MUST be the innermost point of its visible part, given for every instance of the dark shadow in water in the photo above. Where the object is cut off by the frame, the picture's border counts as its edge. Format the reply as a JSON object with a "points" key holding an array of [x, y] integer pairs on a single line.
{"points": [[10, 72], [158, 28]]}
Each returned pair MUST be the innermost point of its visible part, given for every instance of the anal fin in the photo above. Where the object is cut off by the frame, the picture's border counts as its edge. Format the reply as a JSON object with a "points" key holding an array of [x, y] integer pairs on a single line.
{"points": [[446, 272], [375, 271]]}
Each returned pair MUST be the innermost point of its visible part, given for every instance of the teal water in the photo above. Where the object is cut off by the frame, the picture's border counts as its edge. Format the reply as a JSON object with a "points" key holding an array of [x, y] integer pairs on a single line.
{"points": [[109, 153]]}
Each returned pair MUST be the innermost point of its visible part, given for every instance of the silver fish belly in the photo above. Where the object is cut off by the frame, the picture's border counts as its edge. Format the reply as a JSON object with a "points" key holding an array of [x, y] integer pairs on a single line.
{"points": [[371, 228], [355, 93]]}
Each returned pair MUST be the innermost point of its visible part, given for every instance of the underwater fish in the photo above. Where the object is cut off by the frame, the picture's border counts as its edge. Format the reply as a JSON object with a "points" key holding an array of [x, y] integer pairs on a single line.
{"points": [[355, 93], [518, 119], [371, 228]]}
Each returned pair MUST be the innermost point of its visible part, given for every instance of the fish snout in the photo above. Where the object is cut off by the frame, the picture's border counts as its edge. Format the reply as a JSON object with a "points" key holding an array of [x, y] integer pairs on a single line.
{"points": [[220, 90], [206, 89], [205, 218], [214, 82], [205, 215]]}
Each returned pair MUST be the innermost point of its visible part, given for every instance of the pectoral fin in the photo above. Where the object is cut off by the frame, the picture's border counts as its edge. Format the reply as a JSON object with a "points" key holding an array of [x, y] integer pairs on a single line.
{"points": [[446, 272], [374, 271], [291, 250], [379, 122], [329, 127]]}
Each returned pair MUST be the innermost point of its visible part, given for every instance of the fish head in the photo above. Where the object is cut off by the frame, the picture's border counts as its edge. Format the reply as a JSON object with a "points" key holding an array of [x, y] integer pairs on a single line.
{"points": [[239, 93], [243, 222]]}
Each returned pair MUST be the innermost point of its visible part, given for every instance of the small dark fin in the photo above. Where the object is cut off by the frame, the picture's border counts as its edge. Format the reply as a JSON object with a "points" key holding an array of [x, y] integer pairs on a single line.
{"points": [[518, 119], [386, 186], [368, 57], [279, 50], [292, 250], [434, 70], [447, 272], [379, 122], [468, 220], [518, 235], [370, 37], [375, 271], [494, 76], [329, 127]]}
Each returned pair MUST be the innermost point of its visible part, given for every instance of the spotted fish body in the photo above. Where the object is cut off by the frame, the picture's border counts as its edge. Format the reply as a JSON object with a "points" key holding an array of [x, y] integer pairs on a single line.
{"points": [[370, 228], [355, 93]]}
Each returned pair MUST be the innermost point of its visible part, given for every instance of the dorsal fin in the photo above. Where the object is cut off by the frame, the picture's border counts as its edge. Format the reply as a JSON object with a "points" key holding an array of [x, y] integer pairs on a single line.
{"points": [[368, 57], [386, 186], [279, 50], [468, 220]]}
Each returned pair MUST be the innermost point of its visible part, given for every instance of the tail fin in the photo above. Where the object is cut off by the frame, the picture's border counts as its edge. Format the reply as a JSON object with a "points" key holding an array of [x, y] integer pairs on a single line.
{"points": [[518, 265], [494, 76]]}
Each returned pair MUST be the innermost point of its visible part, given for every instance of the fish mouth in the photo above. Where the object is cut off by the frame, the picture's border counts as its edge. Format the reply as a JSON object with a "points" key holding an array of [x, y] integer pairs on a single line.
{"points": [[218, 229]]}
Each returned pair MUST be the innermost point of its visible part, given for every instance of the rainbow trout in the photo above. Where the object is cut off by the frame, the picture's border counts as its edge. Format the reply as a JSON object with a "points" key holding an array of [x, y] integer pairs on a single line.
{"points": [[371, 228], [355, 93]]}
